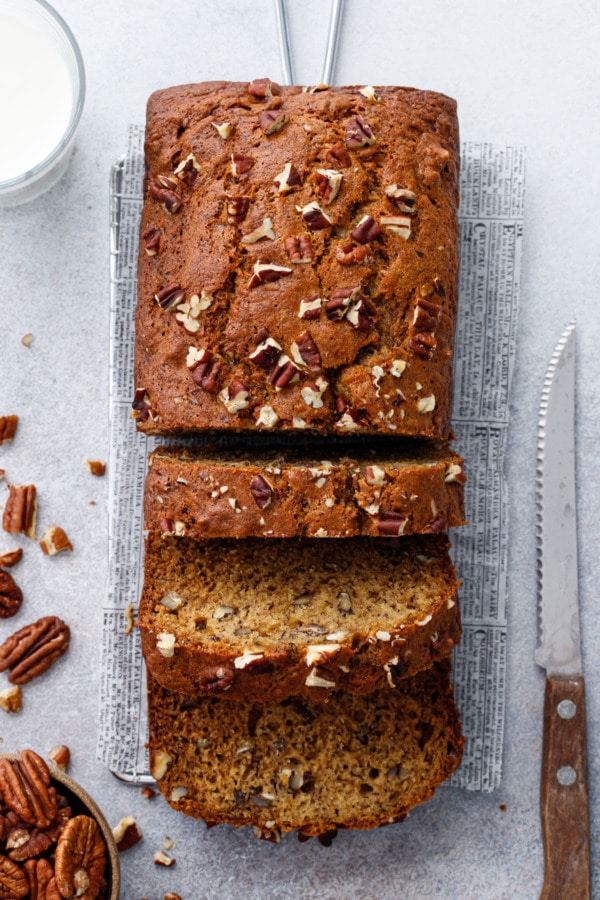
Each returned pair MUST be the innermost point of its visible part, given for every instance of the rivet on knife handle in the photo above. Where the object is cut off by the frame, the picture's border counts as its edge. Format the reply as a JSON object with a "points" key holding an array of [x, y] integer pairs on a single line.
{"points": [[564, 791]]}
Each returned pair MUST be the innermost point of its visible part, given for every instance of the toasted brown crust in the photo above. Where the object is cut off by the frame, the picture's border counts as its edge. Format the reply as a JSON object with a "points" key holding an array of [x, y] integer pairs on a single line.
{"points": [[408, 286], [214, 495], [355, 762], [266, 619]]}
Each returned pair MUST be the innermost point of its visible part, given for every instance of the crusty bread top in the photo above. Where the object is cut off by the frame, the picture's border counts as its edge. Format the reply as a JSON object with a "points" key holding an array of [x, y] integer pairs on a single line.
{"points": [[356, 334]]}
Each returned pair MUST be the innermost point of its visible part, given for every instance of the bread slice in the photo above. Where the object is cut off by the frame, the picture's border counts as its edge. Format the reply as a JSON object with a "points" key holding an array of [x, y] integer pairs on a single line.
{"points": [[355, 762], [208, 494], [273, 619]]}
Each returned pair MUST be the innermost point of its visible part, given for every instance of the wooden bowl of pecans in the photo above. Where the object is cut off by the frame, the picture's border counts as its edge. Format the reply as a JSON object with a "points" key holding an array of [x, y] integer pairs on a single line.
{"points": [[54, 840]]}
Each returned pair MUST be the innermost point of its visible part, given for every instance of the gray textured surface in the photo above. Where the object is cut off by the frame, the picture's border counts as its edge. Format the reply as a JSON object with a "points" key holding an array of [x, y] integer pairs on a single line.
{"points": [[520, 75]]}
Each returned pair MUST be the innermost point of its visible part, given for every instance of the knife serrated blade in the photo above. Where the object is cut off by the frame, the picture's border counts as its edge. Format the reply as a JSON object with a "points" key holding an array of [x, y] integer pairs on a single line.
{"points": [[564, 790], [560, 645]]}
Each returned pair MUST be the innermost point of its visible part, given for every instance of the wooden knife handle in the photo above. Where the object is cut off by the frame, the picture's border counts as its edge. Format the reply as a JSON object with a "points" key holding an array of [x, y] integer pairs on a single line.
{"points": [[564, 791]]}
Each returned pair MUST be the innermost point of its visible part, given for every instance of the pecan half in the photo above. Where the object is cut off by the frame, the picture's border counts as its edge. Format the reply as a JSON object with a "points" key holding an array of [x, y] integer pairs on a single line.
{"points": [[80, 859], [262, 491], [217, 679], [299, 248], [272, 121], [367, 230], [11, 595], [26, 790], [305, 351], [358, 134], [20, 512], [33, 649], [237, 209], [42, 883], [13, 882], [167, 196], [339, 156], [8, 427]]}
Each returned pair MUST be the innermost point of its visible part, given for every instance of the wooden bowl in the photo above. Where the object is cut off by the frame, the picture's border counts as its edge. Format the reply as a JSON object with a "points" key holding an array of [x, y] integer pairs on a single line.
{"points": [[82, 804]]}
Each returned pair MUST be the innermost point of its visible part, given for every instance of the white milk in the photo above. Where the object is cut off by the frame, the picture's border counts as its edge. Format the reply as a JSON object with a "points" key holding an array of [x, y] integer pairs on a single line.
{"points": [[36, 97]]}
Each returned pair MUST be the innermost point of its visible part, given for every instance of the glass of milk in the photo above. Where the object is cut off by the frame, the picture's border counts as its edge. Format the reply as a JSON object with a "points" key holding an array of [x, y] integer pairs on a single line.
{"points": [[42, 91]]}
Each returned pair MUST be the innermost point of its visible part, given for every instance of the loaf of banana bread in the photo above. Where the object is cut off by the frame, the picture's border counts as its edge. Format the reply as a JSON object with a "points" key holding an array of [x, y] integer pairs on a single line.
{"points": [[355, 762], [298, 260]]}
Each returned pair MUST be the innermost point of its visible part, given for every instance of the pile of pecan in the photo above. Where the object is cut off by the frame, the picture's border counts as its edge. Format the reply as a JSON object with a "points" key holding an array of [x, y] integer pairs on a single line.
{"points": [[46, 852]]}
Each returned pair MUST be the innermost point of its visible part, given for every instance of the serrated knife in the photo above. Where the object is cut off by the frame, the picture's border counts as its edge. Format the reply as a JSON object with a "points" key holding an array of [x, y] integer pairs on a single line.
{"points": [[564, 788]]}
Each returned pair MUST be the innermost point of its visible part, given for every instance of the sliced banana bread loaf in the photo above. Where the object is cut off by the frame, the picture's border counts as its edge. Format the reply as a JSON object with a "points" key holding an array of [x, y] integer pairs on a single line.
{"points": [[355, 762], [273, 619], [205, 494]]}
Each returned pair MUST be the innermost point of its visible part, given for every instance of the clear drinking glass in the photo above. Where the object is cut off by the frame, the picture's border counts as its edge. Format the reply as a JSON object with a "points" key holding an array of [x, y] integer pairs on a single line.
{"points": [[42, 92]]}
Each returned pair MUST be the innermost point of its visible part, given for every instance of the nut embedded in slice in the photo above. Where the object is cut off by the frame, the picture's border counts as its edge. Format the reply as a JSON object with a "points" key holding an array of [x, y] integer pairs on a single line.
{"points": [[54, 541], [224, 130], [11, 699], [263, 232]]}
